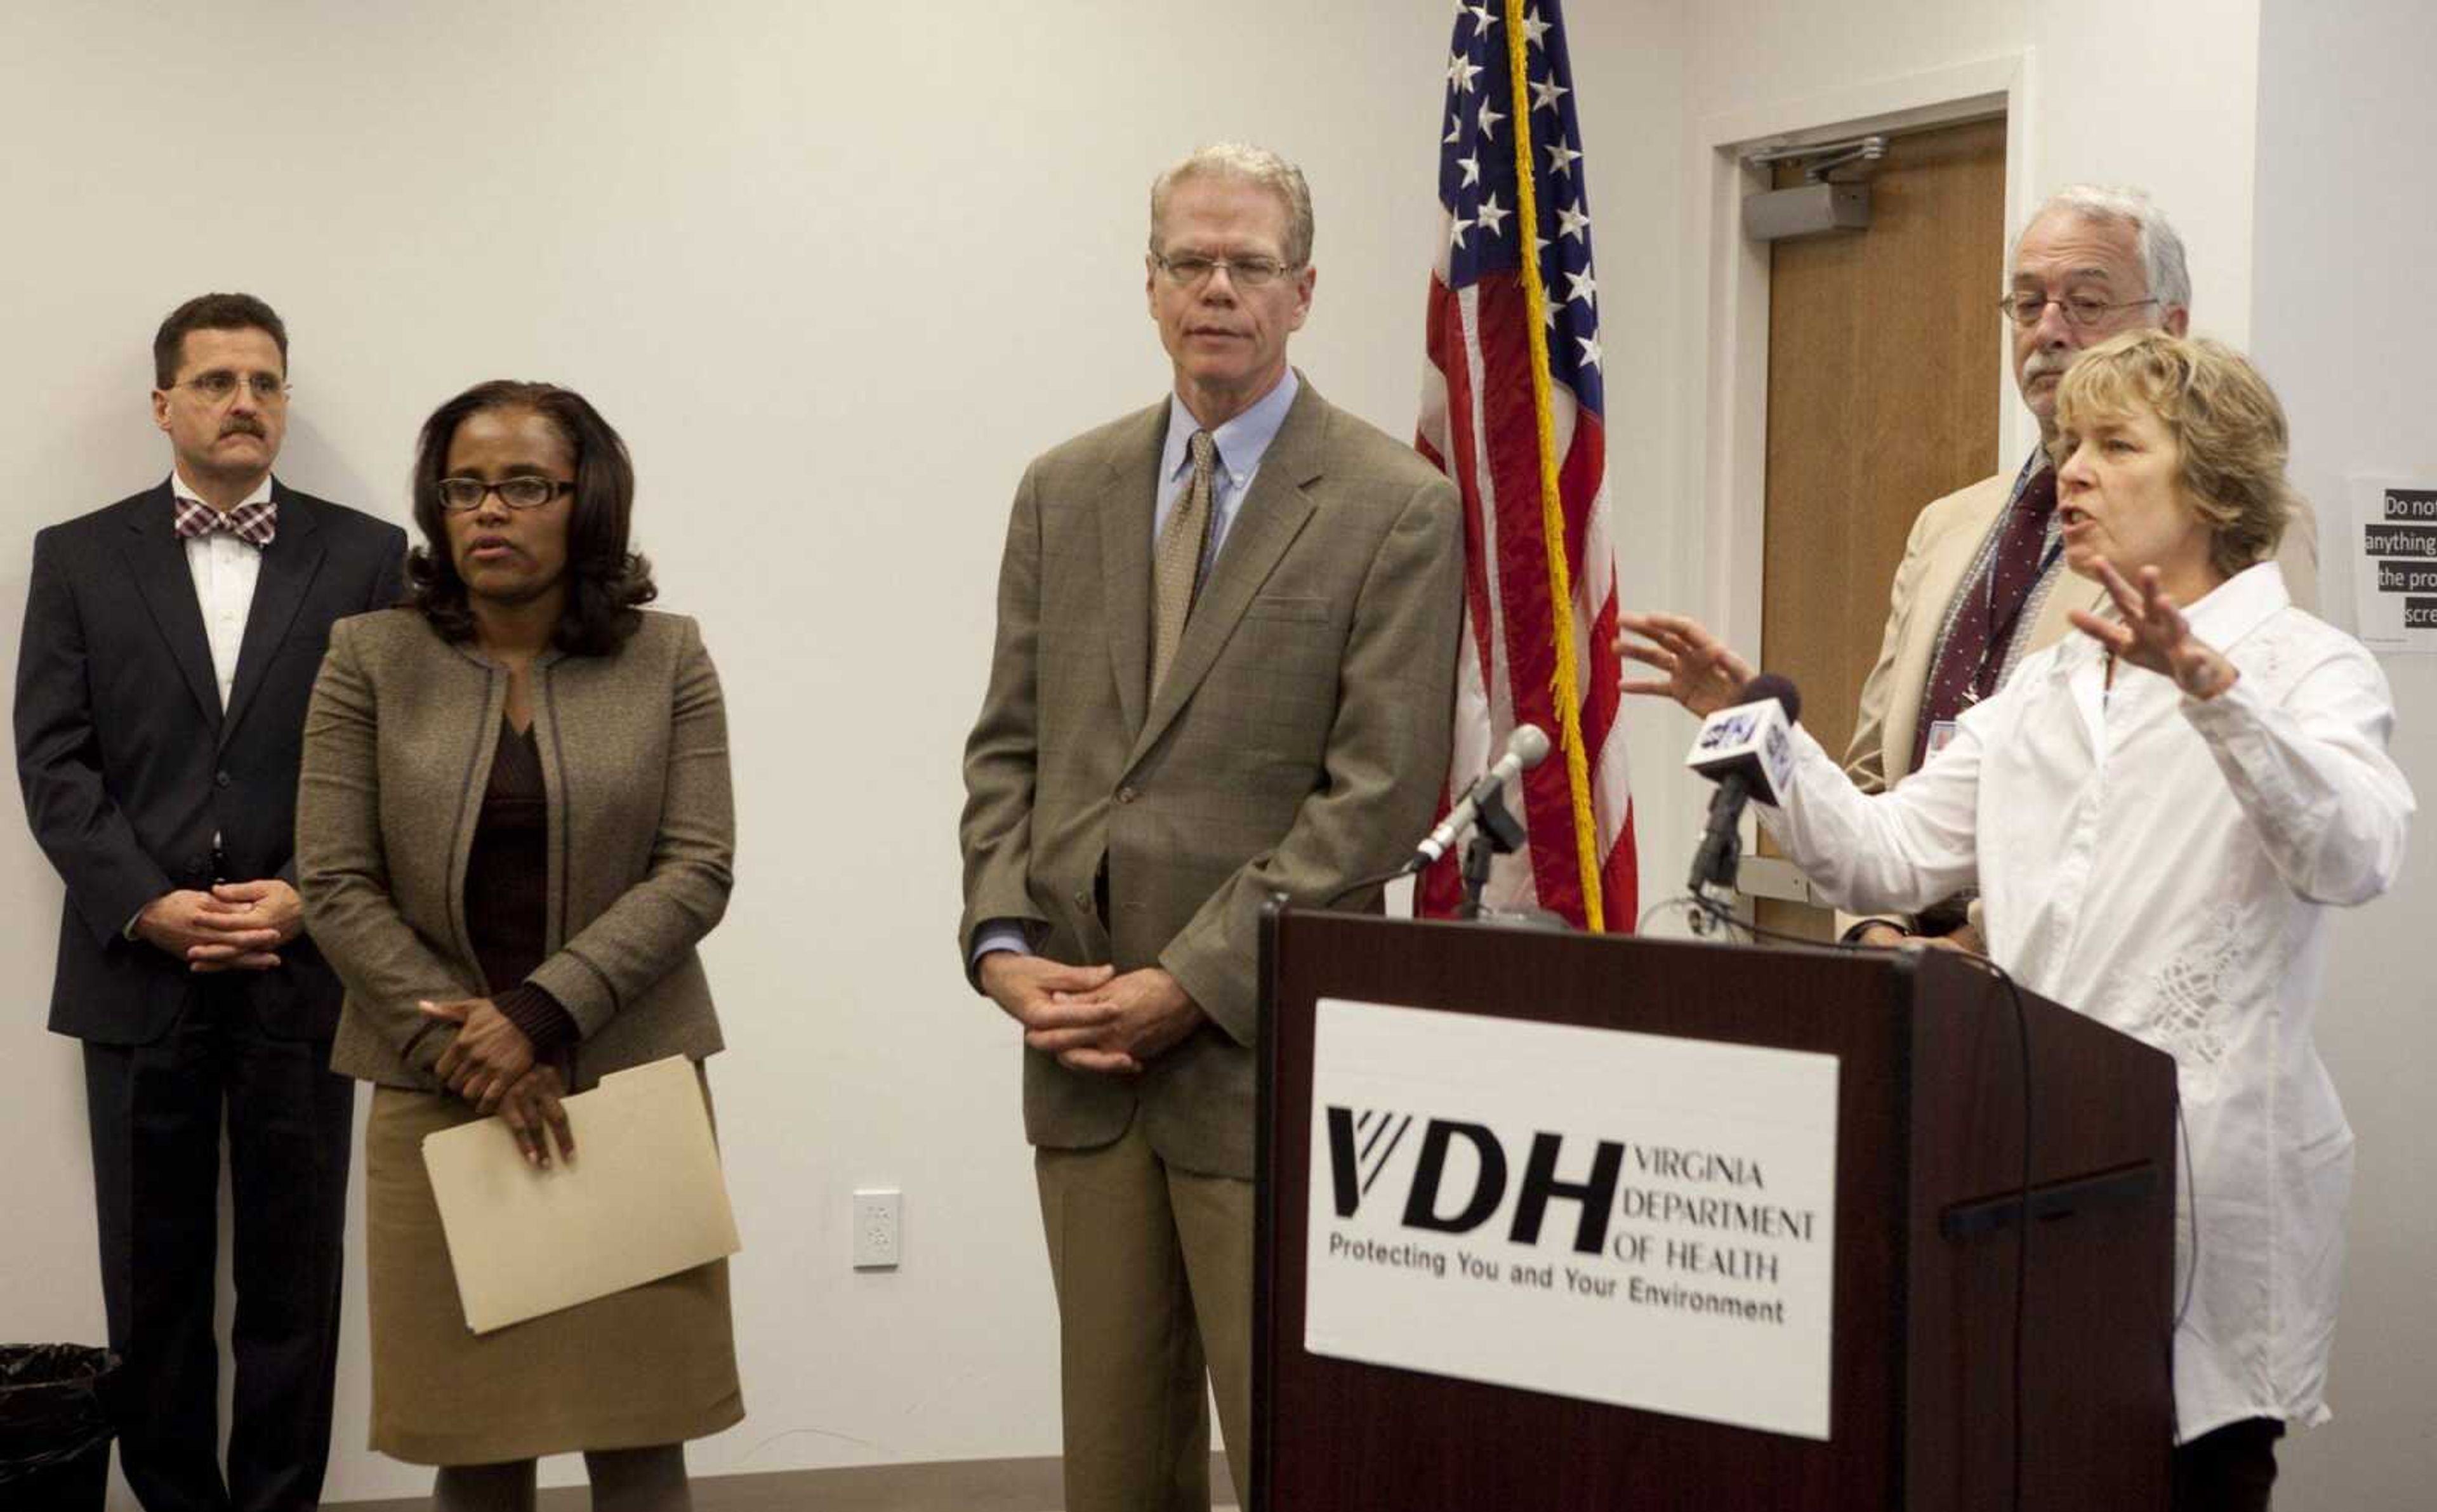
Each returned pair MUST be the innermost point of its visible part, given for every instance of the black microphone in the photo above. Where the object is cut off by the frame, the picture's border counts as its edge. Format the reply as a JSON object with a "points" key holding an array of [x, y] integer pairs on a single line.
{"points": [[1524, 750], [1747, 750]]}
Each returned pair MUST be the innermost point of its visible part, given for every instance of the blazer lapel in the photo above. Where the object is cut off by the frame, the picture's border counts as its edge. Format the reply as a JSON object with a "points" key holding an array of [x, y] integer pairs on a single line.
{"points": [[1271, 516], [1127, 507], [1941, 580], [289, 565], [156, 561]]}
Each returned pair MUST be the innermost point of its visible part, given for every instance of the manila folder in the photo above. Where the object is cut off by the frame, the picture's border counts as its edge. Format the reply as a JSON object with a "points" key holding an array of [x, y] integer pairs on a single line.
{"points": [[642, 1199]]}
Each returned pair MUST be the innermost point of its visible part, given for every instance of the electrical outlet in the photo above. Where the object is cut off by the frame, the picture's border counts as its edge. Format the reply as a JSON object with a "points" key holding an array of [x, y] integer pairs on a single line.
{"points": [[877, 1233]]}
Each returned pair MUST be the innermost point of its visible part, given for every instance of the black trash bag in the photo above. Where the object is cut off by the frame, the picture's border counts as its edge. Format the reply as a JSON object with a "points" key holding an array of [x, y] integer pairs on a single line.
{"points": [[55, 1426]]}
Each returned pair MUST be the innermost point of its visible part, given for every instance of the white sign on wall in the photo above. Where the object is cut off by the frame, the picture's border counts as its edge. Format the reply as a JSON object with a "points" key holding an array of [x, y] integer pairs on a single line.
{"points": [[1618, 1217], [2394, 565]]}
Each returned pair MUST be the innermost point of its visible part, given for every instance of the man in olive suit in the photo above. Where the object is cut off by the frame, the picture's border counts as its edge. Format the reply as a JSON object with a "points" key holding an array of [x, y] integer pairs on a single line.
{"points": [[1227, 631]]}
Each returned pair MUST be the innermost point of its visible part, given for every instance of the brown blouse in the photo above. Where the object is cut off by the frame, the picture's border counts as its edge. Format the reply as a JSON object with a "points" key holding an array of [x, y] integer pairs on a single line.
{"points": [[507, 891]]}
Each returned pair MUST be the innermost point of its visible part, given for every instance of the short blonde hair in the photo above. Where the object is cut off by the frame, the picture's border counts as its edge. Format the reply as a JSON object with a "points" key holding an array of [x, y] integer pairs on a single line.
{"points": [[2225, 420]]}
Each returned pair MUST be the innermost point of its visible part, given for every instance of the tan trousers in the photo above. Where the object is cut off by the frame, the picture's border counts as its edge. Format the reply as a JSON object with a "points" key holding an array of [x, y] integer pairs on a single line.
{"points": [[1153, 1268]]}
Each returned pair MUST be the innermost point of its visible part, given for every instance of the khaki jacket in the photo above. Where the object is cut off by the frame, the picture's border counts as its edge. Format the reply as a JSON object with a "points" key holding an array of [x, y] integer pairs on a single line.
{"points": [[398, 743], [1299, 743]]}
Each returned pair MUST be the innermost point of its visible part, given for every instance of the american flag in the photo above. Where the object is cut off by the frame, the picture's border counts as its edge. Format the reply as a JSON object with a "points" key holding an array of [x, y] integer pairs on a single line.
{"points": [[1485, 422]]}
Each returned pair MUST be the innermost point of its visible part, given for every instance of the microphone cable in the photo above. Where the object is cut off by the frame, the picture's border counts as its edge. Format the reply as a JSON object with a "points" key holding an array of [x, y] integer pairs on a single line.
{"points": [[1718, 913], [2192, 1269], [2022, 1200]]}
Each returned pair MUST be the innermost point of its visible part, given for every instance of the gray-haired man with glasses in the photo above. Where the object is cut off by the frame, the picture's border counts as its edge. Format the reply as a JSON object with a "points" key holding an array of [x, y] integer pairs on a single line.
{"points": [[1225, 658], [170, 643], [1982, 584]]}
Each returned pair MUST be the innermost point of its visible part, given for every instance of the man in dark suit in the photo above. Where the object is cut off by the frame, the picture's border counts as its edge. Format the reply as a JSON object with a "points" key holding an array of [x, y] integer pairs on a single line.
{"points": [[170, 643], [1227, 632]]}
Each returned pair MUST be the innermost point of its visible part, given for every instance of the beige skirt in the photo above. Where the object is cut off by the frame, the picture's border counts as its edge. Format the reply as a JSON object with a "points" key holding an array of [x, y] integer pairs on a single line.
{"points": [[653, 1364]]}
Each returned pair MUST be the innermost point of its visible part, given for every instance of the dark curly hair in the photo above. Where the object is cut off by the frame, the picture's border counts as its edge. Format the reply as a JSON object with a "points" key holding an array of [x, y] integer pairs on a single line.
{"points": [[607, 583]]}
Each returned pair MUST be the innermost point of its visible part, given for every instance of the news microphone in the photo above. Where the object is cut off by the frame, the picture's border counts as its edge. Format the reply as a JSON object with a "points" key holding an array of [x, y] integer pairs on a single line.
{"points": [[1524, 750], [1748, 750]]}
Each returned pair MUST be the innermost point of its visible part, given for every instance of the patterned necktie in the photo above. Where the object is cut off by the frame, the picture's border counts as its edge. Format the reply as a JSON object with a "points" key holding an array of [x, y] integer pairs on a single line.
{"points": [[2015, 572], [1176, 566], [254, 524], [1972, 660]]}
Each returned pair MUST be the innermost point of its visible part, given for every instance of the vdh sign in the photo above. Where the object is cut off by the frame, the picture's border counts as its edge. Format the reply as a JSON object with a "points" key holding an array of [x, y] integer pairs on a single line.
{"points": [[1361, 1145], [1637, 1218]]}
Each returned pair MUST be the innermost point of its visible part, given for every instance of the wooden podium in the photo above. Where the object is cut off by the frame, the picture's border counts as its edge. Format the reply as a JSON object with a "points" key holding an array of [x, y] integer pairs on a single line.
{"points": [[1929, 1168]]}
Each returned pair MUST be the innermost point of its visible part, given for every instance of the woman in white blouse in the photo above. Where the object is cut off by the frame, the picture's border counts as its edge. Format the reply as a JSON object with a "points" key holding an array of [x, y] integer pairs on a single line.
{"points": [[2159, 814]]}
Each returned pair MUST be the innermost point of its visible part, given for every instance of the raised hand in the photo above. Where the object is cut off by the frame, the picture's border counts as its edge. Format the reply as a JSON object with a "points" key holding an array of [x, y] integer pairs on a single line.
{"points": [[1702, 674], [2155, 637]]}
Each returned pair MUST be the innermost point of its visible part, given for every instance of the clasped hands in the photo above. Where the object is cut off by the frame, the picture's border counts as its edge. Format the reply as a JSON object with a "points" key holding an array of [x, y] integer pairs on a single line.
{"points": [[235, 927], [1091, 1017], [490, 1064]]}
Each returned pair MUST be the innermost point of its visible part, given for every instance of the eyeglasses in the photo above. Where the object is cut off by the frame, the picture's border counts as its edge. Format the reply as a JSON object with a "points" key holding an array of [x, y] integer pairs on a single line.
{"points": [[2079, 310], [219, 384], [1191, 270], [460, 495]]}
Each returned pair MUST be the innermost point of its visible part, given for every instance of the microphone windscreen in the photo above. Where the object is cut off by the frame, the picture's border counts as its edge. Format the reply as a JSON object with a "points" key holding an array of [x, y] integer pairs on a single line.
{"points": [[1772, 684], [1529, 742]]}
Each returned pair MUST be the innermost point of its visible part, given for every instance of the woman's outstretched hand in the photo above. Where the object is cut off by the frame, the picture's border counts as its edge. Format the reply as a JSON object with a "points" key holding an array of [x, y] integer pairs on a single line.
{"points": [[1702, 674], [2154, 635]]}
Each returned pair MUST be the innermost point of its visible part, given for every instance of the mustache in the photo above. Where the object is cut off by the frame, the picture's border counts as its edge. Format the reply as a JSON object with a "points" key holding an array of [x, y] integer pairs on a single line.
{"points": [[241, 428], [2043, 364]]}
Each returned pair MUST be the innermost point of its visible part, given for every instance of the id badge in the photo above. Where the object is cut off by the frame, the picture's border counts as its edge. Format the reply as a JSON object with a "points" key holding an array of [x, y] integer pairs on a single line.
{"points": [[1940, 734]]}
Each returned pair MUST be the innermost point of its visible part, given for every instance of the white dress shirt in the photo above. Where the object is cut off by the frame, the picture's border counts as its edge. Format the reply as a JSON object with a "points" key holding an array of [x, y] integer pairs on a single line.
{"points": [[225, 570], [2166, 866]]}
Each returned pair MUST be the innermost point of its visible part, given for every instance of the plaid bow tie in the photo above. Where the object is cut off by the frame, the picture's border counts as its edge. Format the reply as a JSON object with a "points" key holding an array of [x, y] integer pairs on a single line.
{"points": [[254, 524]]}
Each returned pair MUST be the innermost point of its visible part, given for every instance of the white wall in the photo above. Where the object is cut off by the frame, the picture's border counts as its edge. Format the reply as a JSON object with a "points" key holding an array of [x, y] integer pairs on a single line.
{"points": [[2122, 93], [2343, 327], [836, 271]]}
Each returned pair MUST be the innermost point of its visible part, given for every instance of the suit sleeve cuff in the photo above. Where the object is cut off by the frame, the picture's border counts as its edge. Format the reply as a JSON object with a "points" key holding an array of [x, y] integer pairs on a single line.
{"points": [[1226, 998]]}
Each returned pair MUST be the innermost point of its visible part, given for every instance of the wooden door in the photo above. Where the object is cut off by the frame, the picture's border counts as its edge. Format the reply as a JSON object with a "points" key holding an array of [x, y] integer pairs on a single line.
{"points": [[1882, 347]]}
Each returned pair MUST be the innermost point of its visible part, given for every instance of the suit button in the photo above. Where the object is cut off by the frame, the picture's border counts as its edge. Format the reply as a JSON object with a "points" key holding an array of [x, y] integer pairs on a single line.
{"points": [[1083, 898], [221, 779], [1125, 794]]}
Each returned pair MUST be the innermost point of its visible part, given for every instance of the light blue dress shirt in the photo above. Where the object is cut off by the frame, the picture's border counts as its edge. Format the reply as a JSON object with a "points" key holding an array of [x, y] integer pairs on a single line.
{"points": [[1241, 444]]}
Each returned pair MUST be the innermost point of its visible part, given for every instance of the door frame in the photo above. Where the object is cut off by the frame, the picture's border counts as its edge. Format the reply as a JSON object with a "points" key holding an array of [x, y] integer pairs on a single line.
{"points": [[1726, 348], [1727, 422]]}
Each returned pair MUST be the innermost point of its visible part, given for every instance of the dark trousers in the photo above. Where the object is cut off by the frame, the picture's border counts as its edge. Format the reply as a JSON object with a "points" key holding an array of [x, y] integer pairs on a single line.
{"points": [[156, 1113], [2230, 1468]]}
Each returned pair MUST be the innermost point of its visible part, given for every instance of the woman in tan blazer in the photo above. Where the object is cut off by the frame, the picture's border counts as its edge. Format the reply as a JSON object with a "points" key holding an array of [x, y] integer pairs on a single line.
{"points": [[514, 826]]}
